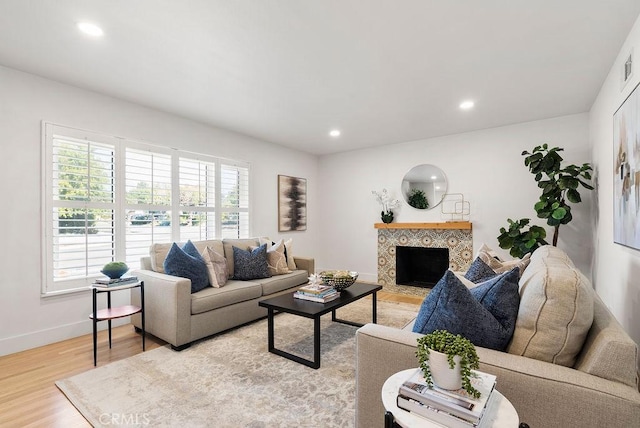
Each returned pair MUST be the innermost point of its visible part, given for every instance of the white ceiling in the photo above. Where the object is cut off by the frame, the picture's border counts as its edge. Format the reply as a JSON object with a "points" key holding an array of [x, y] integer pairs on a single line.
{"points": [[289, 71]]}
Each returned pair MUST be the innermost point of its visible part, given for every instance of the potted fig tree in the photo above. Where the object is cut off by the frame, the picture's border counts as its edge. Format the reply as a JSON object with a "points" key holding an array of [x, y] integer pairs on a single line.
{"points": [[447, 359]]}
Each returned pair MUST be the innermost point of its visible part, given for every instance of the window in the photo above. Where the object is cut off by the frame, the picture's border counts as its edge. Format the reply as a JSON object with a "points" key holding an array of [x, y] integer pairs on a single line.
{"points": [[107, 198]]}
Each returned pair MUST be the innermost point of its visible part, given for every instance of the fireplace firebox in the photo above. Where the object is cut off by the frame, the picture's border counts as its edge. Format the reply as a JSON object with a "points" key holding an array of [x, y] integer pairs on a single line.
{"points": [[420, 267]]}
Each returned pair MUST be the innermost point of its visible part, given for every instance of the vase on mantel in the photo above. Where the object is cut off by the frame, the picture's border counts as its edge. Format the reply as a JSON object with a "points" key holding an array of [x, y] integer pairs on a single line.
{"points": [[387, 217]]}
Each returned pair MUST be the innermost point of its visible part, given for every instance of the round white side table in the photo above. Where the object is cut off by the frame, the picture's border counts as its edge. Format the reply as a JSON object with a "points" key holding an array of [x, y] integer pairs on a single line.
{"points": [[502, 414]]}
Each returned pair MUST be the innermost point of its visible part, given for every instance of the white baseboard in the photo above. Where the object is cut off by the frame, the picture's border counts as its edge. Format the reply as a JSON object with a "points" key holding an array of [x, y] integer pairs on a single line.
{"points": [[11, 345]]}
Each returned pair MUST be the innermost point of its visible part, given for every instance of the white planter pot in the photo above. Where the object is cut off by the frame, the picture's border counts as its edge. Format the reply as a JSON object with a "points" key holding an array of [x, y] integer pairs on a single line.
{"points": [[442, 375]]}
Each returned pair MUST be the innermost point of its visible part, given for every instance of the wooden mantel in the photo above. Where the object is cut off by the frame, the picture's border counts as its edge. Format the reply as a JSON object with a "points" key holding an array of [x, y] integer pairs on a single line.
{"points": [[462, 225]]}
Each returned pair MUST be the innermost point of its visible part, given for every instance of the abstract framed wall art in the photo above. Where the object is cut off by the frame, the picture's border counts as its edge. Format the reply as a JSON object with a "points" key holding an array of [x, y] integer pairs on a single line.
{"points": [[292, 203], [626, 172]]}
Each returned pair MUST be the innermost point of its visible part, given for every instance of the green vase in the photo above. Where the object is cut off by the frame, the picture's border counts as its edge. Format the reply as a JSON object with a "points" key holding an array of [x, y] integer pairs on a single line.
{"points": [[387, 217]]}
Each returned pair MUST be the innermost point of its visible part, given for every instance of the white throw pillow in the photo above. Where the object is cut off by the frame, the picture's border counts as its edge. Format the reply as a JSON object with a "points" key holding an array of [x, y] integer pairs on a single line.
{"points": [[489, 256], [288, 244], [556, 309], [216, 267]]}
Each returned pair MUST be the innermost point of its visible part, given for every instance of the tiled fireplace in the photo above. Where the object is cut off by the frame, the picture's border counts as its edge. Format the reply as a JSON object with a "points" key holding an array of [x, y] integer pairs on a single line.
{"points": [[456, 236]]}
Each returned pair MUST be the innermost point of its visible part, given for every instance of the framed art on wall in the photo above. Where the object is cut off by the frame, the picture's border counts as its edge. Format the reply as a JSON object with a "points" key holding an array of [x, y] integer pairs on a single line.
{"points": [[292, 203], [626, 172]]}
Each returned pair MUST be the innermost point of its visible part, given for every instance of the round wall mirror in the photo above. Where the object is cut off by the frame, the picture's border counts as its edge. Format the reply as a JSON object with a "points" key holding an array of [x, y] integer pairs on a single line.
{"points": [[424, 186]]}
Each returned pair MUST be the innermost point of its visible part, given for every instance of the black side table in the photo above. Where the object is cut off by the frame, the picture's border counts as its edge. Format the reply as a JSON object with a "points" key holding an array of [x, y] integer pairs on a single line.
{"points": [[110, 313]]}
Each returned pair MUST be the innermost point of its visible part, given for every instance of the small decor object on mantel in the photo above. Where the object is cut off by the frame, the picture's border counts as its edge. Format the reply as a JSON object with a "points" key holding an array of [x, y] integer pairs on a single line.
{"points": [[459, 355], [387, 205]]}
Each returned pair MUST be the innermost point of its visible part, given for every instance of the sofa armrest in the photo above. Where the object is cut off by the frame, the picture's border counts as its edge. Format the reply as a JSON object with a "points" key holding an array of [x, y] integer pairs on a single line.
{"points": [[167, 306], [543, 394], [305, 263], [380, 352], [546, 394]]}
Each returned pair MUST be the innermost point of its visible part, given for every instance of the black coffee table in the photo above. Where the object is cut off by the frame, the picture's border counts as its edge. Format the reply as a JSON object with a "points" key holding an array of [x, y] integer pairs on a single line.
{"points": [[304, 308]]}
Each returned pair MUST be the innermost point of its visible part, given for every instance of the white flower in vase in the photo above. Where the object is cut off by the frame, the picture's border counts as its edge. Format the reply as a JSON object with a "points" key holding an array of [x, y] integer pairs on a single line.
{"points": [[387, 205]]}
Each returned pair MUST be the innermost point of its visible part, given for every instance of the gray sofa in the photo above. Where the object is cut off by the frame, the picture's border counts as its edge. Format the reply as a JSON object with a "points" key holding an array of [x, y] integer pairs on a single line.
{"points": [[175, 315], [599, 389]]}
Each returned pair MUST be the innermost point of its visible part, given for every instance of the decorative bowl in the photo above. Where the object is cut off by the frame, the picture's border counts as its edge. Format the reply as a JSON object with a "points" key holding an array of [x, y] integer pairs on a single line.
{"points": [[338, 279], [115, 270]]}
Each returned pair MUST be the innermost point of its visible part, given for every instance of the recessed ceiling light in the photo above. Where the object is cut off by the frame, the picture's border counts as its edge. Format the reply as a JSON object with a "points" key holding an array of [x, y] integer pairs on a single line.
{"points": [[433, 177], [466, 105], [335, 133], [90, 29]]}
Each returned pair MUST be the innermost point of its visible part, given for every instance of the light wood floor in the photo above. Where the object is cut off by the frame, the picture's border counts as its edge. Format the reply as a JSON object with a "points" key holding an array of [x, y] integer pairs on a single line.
{"points": [[28, 395]]}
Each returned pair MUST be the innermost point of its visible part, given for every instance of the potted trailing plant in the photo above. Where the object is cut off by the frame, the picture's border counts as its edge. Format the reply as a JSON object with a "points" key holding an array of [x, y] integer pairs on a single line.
{"points": [[461, 358], [417, 199], [519, 241]]}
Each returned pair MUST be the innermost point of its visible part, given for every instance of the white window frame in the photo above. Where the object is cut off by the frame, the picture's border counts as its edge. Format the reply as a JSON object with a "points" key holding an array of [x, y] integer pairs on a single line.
{"points": [[49, 286]]}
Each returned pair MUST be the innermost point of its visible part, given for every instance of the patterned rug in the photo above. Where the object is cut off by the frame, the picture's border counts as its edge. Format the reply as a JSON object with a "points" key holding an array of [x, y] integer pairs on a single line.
{"points": [[231, 380]]}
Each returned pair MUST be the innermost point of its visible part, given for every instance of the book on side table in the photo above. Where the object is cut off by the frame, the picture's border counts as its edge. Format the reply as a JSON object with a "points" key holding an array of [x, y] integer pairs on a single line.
{"points": [[455, 408], [108, 282]]}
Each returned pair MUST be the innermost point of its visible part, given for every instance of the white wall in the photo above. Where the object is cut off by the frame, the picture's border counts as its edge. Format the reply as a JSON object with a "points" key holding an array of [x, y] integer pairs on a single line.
{"points": [[616, 269], [28, 320], [486, 166]]}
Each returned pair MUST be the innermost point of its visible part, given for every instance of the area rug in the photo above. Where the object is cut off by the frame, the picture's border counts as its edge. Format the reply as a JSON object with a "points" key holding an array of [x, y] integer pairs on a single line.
{"points": [[231, 380]]}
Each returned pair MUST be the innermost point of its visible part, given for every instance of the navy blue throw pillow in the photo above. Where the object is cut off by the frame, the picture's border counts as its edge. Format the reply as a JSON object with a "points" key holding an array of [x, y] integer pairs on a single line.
{"points": [[501, 296], [179, 263], [250, 264], [479, 271], [452, 306]]}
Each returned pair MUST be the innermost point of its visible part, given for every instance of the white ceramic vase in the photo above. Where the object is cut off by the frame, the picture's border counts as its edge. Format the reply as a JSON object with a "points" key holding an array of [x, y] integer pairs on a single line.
{"points": [[442, 375]]}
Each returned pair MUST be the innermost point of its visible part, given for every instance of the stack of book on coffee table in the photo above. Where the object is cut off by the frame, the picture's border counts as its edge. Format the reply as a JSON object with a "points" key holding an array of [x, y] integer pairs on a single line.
{"points": [[454, 409], [316, 293]]}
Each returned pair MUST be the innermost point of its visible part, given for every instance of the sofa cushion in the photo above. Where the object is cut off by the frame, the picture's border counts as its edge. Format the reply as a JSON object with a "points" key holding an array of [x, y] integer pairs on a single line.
{"points": [[556, 309], [276, 260], [282, 282], [228, 245], [233, 292], [288, 245], [158, 252], [250, 264], [479, 271], [216, 267], [452, 306], [500, 266], [179, 263]]}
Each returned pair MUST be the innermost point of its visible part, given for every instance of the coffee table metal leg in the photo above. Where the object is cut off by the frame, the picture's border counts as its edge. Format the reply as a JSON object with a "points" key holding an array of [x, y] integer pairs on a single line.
{"points": [[315, 363], [270, 330], [374, 316], [375, 308], [316, 343]]}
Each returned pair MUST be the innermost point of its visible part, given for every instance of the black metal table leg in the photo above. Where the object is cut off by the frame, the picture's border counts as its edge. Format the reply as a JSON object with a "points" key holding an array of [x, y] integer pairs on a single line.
{"points": [[142, 314], [95, 327]]}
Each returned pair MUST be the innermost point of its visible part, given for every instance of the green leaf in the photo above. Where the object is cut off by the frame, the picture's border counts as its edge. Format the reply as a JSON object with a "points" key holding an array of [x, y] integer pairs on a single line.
{"points": [[573, 196], [539, 206], [559, 213]]}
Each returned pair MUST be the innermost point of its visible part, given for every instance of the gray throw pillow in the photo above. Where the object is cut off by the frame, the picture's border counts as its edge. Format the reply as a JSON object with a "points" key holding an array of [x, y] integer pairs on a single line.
{"points": [[250, 264], [179, 263], [452, 306]]}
